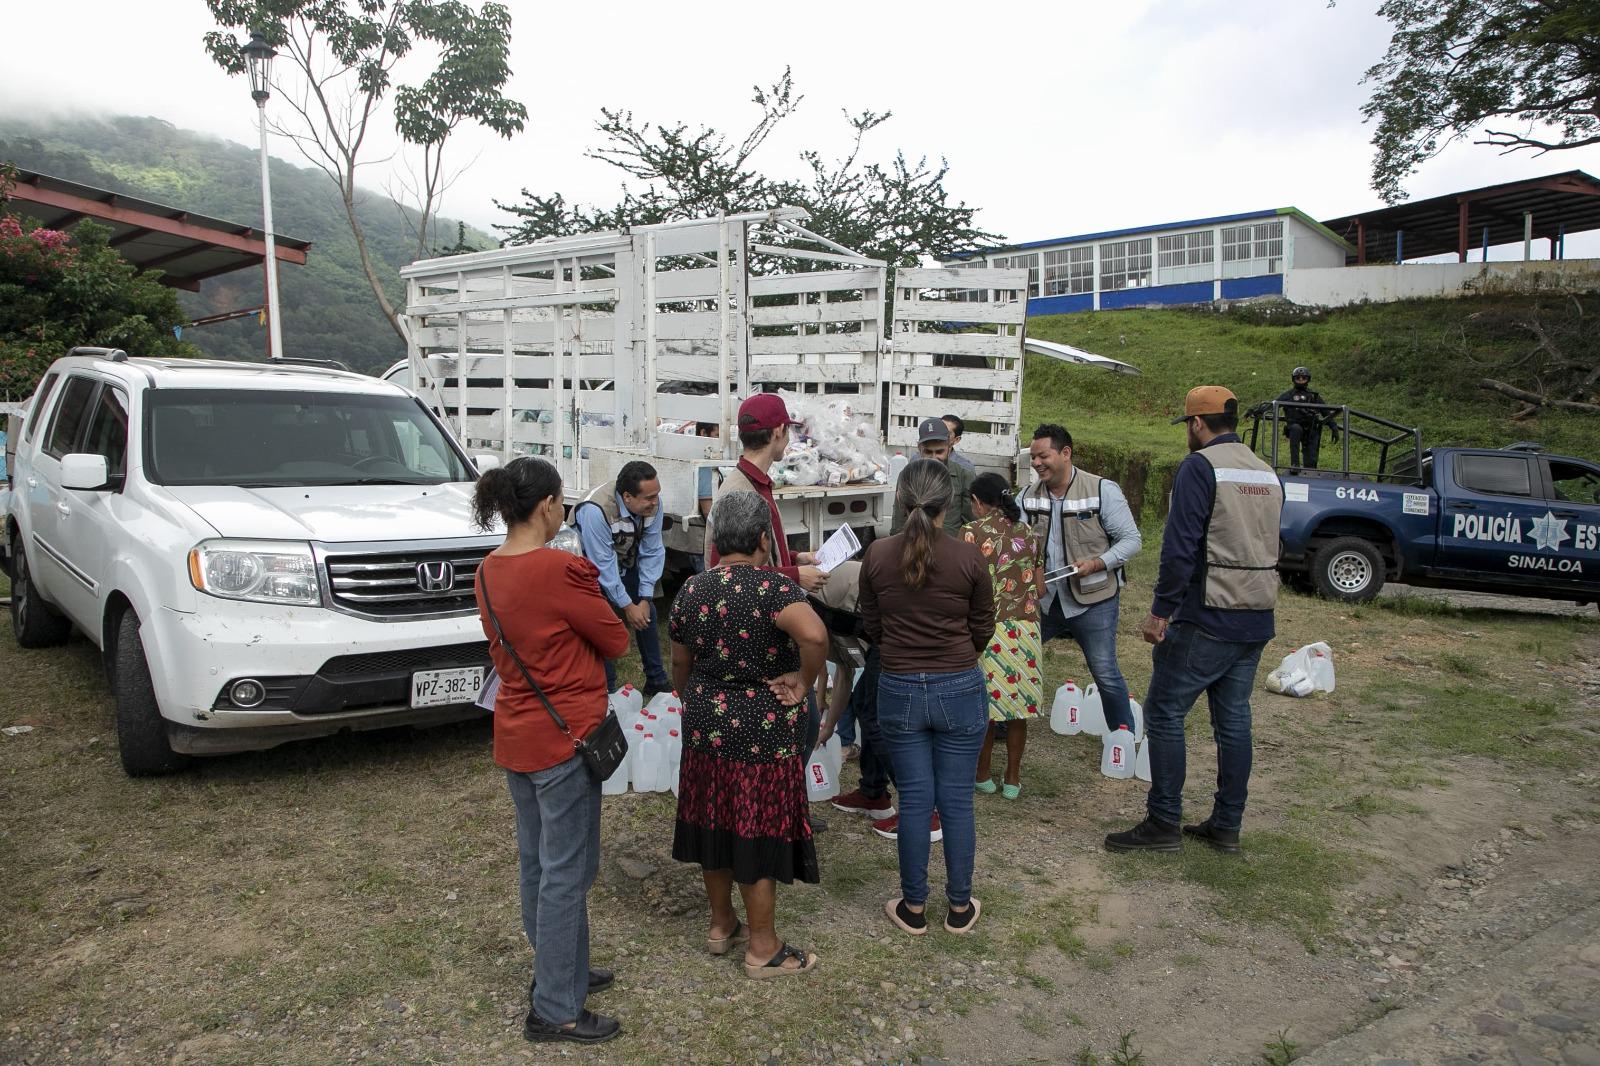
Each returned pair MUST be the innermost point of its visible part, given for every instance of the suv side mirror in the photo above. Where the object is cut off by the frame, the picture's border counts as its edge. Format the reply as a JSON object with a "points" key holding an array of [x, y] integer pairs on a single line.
{"points": [[85, 472], [485, 462]]}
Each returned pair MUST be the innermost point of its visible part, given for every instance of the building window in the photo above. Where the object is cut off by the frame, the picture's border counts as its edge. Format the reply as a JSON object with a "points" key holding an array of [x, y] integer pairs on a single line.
{"points": [[1017, 262], [1125, 265], [1185, 257], [1070, 270], [1248, 251]]}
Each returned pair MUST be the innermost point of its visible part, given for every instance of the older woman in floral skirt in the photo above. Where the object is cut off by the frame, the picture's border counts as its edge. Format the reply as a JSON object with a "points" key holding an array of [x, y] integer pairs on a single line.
{"points": [[1011, 660]]}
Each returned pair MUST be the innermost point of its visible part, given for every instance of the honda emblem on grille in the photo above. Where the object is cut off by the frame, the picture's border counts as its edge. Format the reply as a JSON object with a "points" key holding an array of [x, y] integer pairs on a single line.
{"points": [[436, 577]]}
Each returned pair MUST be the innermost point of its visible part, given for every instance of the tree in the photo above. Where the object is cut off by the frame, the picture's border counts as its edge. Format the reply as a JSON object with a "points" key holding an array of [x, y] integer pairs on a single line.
{"points": [[897, 211], [1514, 74], [59, 290], [347, 53], [1559, 367]]}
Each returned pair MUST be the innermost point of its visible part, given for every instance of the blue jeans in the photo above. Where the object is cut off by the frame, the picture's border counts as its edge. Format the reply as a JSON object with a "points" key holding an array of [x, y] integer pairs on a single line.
{"points": [[933, 726], [648, 639], [1187, 663], [1095, 630], [558, 843]]}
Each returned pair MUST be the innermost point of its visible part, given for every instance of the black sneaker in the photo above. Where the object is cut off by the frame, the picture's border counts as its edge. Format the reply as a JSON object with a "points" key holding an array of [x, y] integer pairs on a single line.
{"points": [[591, 1028], [652, 691], [1225, 840], [599, 981], [1148, 835]]}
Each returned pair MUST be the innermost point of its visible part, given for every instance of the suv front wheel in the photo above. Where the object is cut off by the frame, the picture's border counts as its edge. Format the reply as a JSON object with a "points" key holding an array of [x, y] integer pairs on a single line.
{"points": [[141, 731], [35, 623]]}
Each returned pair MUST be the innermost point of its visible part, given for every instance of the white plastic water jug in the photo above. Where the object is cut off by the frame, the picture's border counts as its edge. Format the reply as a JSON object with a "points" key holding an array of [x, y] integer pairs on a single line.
{"points": [[1117, 754], [1141, 763], [1092, 716], [674, 758], [617, 783], [1066, 712], [896, 465], [649, 768], [627, 702], [662, 702], [1138, 718], [822, 771]]}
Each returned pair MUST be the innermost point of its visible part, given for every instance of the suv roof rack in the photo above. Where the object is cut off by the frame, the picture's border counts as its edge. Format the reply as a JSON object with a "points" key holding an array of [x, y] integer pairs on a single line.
{"points": [[116, 355], [301, 360], [1524, 446]]}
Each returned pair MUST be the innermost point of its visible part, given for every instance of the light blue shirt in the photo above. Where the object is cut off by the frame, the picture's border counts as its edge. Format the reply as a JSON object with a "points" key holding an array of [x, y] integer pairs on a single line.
{"points": [[1116, 518], [962, 460], [599, 550]]}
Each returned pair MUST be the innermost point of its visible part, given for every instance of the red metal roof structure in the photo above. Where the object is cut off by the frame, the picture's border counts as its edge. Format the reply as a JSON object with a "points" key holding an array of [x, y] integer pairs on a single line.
{"points": [[186, 247], [1554, 205]]}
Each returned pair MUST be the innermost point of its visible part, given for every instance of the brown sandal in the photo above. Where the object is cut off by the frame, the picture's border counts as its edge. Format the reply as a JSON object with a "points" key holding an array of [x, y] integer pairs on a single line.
{"points": [[723, 945], [775, 966]]}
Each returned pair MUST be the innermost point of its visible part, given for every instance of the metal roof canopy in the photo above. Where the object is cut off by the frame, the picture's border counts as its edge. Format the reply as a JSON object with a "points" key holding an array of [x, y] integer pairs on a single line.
{"points": [[1559, 204], [187, 248]]}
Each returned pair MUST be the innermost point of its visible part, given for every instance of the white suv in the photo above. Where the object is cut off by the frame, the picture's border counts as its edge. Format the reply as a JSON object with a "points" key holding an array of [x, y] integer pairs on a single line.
{"points": [[262, 552]]}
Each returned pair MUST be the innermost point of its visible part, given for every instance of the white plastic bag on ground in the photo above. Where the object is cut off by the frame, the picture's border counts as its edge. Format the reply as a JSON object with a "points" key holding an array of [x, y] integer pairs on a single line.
{"points": [[1304, 671]]}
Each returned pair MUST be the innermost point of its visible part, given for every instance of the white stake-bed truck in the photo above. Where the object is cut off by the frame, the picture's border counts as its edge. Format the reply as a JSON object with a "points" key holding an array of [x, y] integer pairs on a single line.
{"points": [[585, 350]]}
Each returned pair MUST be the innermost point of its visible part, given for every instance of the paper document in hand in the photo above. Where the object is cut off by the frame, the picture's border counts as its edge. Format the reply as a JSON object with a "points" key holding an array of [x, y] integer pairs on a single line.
{"points": [[487, 693], [837, 548]]}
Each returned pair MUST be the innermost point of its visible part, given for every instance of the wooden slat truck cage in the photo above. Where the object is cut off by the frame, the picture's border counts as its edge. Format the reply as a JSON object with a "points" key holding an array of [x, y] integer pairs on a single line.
{"points": [[583, 350]]}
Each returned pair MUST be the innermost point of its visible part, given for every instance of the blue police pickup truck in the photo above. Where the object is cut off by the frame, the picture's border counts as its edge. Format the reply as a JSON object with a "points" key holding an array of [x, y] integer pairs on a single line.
{"points": [[1509, 520]]}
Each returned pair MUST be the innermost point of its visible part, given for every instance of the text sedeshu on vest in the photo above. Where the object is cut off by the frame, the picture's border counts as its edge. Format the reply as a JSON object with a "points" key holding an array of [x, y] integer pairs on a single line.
{"points": [[626, 529], [1241, 559], [1082, 534]]}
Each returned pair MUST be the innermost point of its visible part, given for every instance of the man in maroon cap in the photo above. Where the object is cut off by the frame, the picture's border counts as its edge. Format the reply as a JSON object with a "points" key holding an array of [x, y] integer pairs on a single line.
{"points": [[764, 432]]}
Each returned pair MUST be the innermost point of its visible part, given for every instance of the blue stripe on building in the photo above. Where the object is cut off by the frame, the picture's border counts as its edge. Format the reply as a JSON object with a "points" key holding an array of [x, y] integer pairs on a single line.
{"points": [[1244, 288]]}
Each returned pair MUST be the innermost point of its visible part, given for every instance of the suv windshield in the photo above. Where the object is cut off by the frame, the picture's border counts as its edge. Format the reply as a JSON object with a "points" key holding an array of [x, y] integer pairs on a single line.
{"points": [[272, 438]]}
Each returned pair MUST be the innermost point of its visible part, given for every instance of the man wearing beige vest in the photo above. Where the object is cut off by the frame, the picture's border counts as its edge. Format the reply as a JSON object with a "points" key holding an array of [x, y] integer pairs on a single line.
{"points": [[1211, 618], [1081, 520]]}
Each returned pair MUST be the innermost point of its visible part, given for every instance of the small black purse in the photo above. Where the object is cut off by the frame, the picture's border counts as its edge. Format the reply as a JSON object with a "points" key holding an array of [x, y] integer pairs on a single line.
{"points": [[603, 750]]}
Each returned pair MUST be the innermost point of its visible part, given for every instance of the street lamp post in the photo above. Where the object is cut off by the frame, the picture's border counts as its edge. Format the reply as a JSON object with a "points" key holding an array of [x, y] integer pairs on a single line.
{"points": [[258, 56]]}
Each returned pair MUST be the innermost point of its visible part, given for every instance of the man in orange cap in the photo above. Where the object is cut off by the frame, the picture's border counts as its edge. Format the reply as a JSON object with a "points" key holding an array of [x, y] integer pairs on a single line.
{"points": [[1211, 618]]}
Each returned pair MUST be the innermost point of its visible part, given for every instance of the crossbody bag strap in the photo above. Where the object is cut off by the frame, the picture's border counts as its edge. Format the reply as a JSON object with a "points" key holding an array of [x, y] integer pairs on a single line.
{"points": [[500, 636]]}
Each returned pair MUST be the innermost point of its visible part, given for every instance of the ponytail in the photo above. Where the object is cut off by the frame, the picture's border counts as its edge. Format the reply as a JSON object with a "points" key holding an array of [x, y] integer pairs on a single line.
{"points": [[924, 492], [510, 493], [991, 490]]}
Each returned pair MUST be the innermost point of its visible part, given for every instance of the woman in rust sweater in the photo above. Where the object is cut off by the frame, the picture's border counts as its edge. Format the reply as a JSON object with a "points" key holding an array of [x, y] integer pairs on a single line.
{"points": [[927, 603], [551, 608]]}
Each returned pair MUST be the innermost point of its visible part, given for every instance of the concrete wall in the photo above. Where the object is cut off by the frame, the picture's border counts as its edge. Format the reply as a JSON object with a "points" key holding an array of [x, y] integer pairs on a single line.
{"points": [[1338, 286], [1310, 248]]}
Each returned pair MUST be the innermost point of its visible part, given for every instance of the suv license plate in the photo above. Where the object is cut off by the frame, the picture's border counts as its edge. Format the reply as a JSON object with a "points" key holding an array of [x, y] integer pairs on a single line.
{"points": [[433, 688]]}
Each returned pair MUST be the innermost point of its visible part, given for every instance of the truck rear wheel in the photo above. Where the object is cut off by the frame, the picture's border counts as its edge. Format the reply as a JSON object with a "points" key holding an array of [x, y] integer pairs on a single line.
{"points": [[141, 731], [34, 622], [1348, 569]]}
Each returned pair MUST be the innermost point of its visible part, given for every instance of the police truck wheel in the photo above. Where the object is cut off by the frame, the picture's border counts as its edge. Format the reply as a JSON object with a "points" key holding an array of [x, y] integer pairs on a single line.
{"points": [[141, 731], [1348, 569], [34, 622]]}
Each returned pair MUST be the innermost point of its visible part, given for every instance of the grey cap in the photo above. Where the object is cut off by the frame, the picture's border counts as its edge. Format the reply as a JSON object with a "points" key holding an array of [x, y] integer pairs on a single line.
{"points": [[932, 429]]}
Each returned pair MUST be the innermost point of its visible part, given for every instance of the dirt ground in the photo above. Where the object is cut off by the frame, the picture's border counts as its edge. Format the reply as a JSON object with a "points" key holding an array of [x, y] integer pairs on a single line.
{"points": [[354, 899]]}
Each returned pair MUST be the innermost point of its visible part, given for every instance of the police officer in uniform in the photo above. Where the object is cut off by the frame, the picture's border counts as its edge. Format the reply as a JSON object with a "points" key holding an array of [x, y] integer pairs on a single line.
{"points": [[1302, 425], [1210, 620], [621, 529]]}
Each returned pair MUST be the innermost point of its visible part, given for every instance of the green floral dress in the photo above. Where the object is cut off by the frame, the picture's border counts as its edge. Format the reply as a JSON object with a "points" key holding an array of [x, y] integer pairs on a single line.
{"points": [[1010, 663]]}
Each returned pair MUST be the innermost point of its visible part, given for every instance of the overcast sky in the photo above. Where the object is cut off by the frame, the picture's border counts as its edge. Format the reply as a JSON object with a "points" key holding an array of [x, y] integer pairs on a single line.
{"points": [[1056, 118]]}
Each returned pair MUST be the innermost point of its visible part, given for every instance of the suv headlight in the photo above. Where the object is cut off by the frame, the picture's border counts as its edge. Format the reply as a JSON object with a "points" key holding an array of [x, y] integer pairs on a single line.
{"points": [[258, 571]]}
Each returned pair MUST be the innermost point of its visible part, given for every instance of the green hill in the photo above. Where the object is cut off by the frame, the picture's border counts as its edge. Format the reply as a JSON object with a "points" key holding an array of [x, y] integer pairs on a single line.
{"points": [[328, 309], [1416, 363]]}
